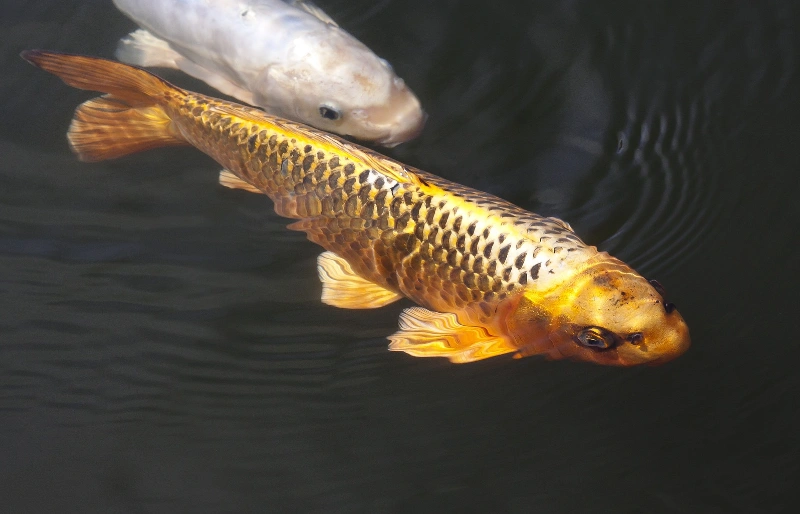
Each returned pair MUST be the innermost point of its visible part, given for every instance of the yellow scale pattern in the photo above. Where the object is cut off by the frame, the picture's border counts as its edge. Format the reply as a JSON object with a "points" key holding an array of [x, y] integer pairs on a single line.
{"points": [[443, 245]]}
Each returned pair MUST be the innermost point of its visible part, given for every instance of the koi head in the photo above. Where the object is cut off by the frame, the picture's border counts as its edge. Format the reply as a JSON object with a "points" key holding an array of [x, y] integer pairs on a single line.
{"points": [[606, 314], [331, 81]]}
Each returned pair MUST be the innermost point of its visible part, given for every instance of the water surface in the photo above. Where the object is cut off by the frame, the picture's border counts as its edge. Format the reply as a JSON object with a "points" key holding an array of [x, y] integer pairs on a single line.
{"points": [[162, 343]]}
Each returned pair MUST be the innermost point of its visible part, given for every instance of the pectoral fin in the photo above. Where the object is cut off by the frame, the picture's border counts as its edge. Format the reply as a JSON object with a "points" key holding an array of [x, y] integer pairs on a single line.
{"points": [[425, 333], [228, 179], [142, 48], [342, 287]]}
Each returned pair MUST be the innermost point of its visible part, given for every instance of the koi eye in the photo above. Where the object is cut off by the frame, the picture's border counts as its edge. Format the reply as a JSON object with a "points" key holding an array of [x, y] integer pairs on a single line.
{"points": [[329, 113], [669, 307], [596, 337], [636, 338]]}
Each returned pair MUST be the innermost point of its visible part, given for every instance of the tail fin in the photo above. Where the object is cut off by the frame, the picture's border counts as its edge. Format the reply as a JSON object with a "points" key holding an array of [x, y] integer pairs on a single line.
{"points": [[129, 118]]}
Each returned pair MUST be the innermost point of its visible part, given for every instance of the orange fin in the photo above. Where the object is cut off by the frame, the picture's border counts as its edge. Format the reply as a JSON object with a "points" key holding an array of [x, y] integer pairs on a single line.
{"points": [[228, 179], [342, 287], [130, 118], [425, 333], [107, 128]]}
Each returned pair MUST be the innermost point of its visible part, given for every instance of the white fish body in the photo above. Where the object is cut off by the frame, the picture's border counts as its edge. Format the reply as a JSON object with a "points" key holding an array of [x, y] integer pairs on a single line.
{"points": [[290, 59]]}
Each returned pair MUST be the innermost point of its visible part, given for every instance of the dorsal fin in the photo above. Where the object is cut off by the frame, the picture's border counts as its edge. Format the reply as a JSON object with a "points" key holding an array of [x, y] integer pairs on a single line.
{"points": [[387, 167], [312, 9]]}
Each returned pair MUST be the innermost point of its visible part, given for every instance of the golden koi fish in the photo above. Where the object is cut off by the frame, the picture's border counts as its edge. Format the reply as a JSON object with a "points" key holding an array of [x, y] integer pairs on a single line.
{"points": [[490, 277]]}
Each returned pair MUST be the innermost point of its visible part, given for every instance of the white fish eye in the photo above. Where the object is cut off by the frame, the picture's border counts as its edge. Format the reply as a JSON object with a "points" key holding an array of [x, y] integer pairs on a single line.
{"points": [[329, 113]]}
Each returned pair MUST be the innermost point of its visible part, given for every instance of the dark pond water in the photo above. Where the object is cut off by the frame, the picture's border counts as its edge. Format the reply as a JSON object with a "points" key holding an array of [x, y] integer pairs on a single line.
{"points": [[162, 343]]}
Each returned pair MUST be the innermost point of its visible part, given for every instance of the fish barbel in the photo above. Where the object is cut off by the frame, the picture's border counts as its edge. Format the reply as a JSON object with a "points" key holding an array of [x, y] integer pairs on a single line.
{"points": [[490, 277], [287, 57]]}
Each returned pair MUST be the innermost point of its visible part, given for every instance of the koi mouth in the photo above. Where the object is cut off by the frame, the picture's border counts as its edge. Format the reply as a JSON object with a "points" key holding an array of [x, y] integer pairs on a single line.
{"points": [[401, 117]]}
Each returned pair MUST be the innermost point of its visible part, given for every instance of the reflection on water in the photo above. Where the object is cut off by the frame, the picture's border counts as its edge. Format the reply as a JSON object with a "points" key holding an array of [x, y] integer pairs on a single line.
{"points": [[164, 348]]}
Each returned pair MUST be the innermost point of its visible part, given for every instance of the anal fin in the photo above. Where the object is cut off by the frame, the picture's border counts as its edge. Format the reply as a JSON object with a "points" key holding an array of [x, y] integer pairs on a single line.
{"points": [[228, 179], [425, 333], [342, 287]]}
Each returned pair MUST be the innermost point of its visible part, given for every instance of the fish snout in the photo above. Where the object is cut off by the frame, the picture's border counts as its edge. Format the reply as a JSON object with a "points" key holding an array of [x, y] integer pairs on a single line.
{"points": [[662, 343], [399, 119]]}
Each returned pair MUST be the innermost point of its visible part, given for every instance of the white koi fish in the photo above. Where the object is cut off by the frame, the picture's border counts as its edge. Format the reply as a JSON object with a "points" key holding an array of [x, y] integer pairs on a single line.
{"points": [[288, 58]]}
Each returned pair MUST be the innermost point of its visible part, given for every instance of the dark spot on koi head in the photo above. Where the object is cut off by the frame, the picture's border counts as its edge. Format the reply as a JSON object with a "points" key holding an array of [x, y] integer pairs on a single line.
{"points": [[602, 279]]}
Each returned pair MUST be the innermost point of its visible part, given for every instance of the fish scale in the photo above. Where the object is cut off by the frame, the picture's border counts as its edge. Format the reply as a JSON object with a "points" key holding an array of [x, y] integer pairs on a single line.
{"points": [[441, 244]]}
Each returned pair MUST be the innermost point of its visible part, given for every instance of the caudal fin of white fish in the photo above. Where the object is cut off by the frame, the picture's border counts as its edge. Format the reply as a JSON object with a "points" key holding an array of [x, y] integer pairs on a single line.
{"points": [[142, 48]]}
